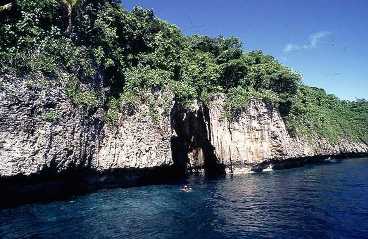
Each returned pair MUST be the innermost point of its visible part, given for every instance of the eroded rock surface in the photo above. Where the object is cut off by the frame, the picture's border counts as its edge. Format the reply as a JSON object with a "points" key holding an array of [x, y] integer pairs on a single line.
{"points": [[40, 128], [258, 134], [139, 139]]}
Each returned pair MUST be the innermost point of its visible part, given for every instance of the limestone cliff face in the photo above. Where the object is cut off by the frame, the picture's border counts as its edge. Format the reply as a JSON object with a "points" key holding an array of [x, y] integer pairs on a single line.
{"points": [[258, 135], [41, 130], [139, 139]]}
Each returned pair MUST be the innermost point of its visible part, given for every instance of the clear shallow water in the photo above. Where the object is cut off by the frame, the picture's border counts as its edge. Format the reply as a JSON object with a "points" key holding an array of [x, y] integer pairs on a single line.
{"points": [[320, 201]]}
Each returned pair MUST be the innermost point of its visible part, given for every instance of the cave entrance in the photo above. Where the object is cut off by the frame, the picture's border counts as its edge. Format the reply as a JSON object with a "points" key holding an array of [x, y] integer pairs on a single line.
{"points": [[191, 144]]}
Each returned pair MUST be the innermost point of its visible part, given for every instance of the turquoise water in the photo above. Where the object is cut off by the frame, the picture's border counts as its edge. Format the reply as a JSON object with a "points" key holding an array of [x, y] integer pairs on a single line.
{"points": [[319, 201]]}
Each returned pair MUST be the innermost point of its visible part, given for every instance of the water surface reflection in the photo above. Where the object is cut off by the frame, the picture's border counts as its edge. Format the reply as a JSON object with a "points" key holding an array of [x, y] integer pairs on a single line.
{"points": [[323, 201]]}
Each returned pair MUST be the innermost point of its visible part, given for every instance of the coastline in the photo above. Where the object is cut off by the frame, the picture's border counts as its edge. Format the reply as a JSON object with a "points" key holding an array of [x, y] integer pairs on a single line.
{"points": [[41, 188]]}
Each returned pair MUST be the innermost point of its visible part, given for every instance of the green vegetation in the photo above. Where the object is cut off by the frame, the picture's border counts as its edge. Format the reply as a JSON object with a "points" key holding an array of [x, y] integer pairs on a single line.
{"points": [[51, 116], [316, 113], [87, 97], [94, 45]]}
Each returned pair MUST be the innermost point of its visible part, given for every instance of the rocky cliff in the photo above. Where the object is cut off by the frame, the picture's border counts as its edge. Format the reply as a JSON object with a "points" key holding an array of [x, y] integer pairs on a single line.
{"points": [[41, 129], [258, 136], [255, 139], [138, 139], [46, 137]]}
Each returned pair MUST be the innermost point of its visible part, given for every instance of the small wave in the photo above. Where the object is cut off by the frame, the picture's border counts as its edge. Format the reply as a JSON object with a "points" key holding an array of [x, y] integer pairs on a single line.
{"points": [[268, 169], [330, 160], [239, 171]]}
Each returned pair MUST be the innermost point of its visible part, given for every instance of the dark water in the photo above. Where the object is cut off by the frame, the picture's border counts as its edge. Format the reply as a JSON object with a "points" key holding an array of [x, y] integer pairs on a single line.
{"points": [[320, 201]]}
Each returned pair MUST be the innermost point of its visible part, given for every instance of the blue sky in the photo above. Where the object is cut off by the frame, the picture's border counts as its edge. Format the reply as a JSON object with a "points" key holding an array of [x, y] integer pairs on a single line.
{"points": [[324, 40]]}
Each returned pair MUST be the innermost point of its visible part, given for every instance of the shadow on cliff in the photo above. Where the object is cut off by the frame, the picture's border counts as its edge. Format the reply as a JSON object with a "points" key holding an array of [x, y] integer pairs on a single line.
{"points": [[190, 145]]}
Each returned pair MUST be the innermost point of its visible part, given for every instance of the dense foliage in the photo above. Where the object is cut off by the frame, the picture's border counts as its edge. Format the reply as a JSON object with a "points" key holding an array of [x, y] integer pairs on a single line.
{"points": [[316, 113], [94, 45]]}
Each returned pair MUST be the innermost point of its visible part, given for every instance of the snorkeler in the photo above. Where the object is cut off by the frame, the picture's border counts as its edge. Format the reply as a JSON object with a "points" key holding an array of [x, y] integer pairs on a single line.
{"points": [[186, 188]]}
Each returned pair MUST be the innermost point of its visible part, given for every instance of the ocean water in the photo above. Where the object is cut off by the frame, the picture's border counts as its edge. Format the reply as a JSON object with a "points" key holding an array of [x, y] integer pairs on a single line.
{"points": [[318, 201]]}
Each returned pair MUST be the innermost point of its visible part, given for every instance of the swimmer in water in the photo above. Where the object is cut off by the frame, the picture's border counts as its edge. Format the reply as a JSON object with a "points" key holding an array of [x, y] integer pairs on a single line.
{"points": [[186, 188]]}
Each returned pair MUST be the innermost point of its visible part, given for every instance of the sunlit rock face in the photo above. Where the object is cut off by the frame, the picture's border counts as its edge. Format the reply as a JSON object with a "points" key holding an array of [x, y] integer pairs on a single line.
{"points": [[138, 139], [41, 130], [258, 134]]}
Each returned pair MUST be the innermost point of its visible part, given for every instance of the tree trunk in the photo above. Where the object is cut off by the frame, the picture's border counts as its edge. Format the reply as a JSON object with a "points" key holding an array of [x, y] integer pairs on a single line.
{"points": [[69, 12]]}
